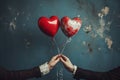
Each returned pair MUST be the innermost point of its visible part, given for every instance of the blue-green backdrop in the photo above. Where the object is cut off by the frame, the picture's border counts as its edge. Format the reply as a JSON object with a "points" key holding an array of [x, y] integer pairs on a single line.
{"points": [[23, 45]]}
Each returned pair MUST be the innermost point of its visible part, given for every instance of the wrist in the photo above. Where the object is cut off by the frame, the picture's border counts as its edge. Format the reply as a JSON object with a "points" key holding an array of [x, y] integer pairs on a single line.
{"points": [[50, 66], [74, 69], [71, 69]]}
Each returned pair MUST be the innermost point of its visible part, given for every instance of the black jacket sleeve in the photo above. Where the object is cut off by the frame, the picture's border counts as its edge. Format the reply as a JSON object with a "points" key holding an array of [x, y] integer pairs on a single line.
{"points": [[91, 75], [19, 74]]}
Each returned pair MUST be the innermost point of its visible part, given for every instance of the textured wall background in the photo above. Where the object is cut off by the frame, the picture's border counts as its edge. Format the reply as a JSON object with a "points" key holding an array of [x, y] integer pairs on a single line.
{"points": [[96, 46]]}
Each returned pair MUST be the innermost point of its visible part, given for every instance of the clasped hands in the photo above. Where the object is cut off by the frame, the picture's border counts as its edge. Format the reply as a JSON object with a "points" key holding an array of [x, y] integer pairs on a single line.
{"points": [[62, 58]]}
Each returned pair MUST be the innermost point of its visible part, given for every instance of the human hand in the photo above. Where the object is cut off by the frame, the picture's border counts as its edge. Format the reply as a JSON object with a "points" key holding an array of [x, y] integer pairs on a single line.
{"points": [[67, 63], [54, 60]]}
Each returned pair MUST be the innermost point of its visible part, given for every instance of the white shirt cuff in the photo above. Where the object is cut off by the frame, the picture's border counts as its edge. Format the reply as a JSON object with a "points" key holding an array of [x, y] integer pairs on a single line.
{"points": [[44, 69], [75, 68]]}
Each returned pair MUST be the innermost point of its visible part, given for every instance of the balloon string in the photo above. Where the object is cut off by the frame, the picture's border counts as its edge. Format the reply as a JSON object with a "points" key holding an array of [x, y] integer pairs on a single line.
{"points": [[58, 49], [64, 46], [60, 74]]}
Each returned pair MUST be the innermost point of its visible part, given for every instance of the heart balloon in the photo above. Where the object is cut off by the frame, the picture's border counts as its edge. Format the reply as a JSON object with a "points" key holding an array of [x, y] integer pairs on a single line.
{"points": [[70, 26], [49, 26]]}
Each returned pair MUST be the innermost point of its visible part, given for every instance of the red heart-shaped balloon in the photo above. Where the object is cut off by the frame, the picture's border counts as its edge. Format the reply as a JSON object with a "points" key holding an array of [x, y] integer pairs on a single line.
{"points": [[70, 26], [49, 26]]}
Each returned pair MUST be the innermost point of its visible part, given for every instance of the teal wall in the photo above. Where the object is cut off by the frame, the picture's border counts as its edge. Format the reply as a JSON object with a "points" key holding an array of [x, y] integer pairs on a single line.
{"points": [[23, 45]]}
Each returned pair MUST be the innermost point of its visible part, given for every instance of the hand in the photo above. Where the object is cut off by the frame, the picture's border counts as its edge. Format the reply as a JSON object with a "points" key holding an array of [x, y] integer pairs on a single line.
{"points": [[54, 60], [67, 63]]}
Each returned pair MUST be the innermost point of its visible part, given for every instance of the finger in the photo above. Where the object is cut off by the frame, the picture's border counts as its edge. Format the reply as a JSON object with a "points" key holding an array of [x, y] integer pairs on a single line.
{"points": [[57, 60], [62, 60], [60, 55], [55, 57], [65, 58]]}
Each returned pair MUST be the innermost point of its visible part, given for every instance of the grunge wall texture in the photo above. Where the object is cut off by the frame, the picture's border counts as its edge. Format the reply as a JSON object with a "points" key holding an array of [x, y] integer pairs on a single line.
{"points": [[96, 46]]}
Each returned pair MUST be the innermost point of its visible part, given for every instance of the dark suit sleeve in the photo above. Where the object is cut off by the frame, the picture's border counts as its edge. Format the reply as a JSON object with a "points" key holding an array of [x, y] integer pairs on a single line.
{"points": [[19, 74], [91, 75]]}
